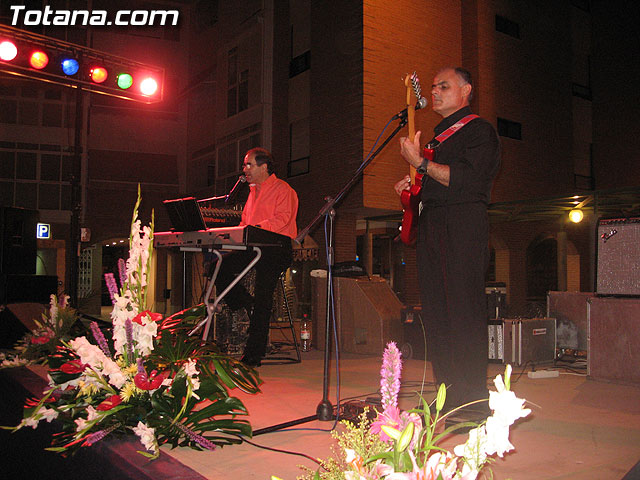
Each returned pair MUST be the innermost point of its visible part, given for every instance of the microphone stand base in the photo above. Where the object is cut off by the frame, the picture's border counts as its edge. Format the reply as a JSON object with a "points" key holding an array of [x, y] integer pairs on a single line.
{"points": [[324, 411]]}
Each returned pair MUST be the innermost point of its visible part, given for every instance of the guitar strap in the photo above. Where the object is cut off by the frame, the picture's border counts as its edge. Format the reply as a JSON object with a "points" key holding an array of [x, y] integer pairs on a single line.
{"points": [[443, 136], [455, 127]]}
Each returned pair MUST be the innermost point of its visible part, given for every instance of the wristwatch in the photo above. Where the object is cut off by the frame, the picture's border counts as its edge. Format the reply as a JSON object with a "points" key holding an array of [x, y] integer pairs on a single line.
{"points": [[422, 169]]}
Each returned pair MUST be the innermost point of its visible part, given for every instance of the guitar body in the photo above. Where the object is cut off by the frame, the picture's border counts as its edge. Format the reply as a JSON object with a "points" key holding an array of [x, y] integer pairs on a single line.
{"points": [[410, 200]]}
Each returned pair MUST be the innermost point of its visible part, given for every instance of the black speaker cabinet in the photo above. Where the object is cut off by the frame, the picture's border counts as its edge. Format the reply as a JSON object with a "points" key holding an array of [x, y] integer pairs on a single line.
{"points": [[618, 269], [18, 244]]}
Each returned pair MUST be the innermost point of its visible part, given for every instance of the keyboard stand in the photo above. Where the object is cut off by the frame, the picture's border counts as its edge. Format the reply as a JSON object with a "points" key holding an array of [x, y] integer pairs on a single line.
{"points": [[211, 307]]}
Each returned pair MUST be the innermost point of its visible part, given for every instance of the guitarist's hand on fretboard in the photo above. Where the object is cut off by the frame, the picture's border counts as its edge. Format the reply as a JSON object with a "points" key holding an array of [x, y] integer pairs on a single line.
{"points": [[410, 150]]}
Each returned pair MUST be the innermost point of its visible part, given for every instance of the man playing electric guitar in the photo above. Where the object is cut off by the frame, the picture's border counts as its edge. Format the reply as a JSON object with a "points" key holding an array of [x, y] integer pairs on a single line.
{"points": [[453, 236]]}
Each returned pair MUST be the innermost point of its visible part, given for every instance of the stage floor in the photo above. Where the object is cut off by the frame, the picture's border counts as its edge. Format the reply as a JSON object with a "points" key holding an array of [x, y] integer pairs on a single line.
{"points": [[579, 428]]}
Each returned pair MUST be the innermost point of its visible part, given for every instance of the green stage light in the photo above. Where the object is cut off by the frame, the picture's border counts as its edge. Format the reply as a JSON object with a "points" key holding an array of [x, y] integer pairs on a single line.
{"points": [[124, 81]]}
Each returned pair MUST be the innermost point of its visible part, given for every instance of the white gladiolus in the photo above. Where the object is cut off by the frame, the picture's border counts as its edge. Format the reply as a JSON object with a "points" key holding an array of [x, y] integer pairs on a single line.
{"points": [[147, 437]]}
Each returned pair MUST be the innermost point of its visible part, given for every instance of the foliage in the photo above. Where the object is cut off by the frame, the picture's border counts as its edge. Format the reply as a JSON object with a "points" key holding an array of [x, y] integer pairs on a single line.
{"points": [[58, 324], [152, 378], [405, 445]]}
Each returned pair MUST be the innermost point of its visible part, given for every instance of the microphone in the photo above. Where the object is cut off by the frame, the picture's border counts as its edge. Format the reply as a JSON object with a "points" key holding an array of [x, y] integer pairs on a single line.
{"points": [[236, 187], [421, 103]]}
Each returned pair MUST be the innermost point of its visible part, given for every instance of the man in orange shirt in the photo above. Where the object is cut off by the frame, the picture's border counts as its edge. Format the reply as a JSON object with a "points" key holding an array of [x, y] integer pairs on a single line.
{"points": [[272, 205]]}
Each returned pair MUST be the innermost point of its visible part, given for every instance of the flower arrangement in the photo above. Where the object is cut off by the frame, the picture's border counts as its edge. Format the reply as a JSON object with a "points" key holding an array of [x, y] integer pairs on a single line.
{"points": [[404, 445], [57, 324], [151, 378]]}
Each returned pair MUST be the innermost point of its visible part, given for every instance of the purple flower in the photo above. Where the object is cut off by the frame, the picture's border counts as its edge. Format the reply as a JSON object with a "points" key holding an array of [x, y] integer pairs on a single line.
{"points": [[99, 435], [390, 376], [112, 286], [141, 366], [128, 328], [122, 271], [99, 336], [199, 439]]}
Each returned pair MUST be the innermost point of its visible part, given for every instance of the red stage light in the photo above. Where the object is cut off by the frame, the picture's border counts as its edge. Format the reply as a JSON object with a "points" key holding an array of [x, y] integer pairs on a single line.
{"points": [[38, 60], [8, 51], [98, 74]]}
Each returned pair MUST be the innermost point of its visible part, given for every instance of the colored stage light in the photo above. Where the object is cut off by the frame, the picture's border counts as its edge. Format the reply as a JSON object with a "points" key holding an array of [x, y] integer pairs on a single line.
{"points": [[98, 74], [8, 51], [38, 60], [576, 215], [70, 66], [148, 86], [124, 81]]}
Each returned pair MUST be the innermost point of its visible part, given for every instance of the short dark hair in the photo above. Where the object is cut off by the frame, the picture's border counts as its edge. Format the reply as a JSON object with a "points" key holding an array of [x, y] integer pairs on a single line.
{"points": [[262, 156], [465, 76]]}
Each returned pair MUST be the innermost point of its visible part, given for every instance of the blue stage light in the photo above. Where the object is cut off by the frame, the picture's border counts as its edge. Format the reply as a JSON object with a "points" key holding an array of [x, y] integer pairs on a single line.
{"points": [[70, 66]]}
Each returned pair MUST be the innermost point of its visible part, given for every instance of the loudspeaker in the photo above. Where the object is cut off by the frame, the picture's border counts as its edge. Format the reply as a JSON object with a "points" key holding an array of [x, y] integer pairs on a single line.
{"points": [[367, 314], [614, 339], [618, 269], [18, 244]]}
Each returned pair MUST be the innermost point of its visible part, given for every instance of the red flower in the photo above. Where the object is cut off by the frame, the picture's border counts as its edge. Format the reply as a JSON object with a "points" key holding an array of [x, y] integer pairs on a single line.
{"points": [[40, 340], [73, 366], [109, 403], [153, 316], [151, 382]]}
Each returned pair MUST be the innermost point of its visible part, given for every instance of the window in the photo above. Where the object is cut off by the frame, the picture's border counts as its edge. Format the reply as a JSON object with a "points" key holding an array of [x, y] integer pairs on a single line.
{"points": [[508, 27], [35, 176], [206, 14], [300, 64], [238, 85], [299, 148], [26, 166], [25, 104], [509, 129], [230, 157]]}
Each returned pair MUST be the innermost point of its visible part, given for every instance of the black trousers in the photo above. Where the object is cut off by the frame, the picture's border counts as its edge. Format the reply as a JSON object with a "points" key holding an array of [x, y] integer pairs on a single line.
{"points": [[273, 262], [453, 257]]}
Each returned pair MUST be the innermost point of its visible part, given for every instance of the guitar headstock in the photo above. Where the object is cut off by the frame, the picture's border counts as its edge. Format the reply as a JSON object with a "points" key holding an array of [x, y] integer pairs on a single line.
{"points": [[412, 82], [415, 84]]}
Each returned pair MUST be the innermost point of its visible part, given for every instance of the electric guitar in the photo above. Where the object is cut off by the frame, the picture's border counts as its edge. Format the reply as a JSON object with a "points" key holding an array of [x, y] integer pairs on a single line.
{"points": [[410, 199]]}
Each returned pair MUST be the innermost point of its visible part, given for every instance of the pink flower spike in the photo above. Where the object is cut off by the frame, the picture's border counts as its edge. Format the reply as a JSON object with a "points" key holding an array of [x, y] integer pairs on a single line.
{"points": [[390, 376]]}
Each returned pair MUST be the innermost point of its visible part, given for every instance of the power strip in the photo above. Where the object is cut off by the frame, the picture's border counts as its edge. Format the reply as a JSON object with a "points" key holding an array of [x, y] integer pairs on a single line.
{"points": [[543, 374]]}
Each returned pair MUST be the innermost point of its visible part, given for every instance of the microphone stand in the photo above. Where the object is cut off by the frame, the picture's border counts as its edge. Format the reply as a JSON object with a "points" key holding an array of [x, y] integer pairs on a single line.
{"points": [[324, 410]]}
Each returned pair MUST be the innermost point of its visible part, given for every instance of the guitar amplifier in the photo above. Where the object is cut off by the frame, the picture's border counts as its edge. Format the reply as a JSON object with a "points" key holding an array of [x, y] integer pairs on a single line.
{"points": [[529, 340], [618, 268]]}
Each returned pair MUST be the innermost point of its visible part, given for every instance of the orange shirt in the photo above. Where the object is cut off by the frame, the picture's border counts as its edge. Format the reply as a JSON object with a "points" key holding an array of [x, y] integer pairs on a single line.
{"points": [[274, 208]]}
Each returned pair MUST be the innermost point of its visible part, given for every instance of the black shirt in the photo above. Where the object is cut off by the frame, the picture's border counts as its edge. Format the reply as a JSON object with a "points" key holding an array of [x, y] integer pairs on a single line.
{"points": [[473, 156]]}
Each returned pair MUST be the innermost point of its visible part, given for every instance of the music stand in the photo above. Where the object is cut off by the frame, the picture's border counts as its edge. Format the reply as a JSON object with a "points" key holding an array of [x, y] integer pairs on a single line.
{"points": [[185, 214]]}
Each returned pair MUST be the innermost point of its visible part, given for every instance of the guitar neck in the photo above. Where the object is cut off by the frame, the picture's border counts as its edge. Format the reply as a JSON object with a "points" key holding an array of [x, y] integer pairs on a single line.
{"points": [[411, 127], [411, 113]]}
